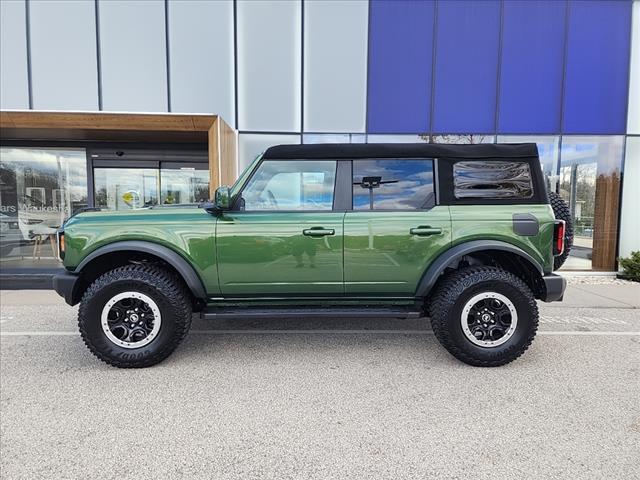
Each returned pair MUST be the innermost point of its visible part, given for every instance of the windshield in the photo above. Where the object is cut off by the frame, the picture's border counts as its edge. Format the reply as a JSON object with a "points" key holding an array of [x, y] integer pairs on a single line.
{"points": [[235, 189]]}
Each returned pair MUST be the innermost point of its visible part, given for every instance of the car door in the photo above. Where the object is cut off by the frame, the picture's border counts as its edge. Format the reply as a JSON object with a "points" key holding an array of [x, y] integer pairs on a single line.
{"points": [[395, 228], [283, 236]]}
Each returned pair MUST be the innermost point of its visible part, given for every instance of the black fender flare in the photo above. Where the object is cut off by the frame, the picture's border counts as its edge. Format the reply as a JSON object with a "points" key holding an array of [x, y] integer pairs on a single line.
{"points": [[454, 254], [177, 261]]}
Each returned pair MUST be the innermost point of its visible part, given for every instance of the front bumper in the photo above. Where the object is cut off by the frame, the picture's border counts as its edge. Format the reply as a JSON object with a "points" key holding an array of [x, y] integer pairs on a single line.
{"points": [[554, 286], [65, 284]]}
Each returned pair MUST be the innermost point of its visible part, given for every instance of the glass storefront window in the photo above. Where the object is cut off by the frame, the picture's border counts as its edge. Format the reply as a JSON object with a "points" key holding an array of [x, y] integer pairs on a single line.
{"points": [[472, 138], [183, 185], [333, 138], [548, 148], [384, 138], [468, 138], [590, 171], [39, 189]]}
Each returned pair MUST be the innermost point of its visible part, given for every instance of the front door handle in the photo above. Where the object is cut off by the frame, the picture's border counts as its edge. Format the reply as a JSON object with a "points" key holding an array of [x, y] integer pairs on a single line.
{"points": [[318, 232], [424, 231]]}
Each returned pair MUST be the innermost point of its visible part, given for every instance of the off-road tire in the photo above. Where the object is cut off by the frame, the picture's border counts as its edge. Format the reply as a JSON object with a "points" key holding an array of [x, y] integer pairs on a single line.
{"points": [[165, 289], [562, 211], [456, 289]]}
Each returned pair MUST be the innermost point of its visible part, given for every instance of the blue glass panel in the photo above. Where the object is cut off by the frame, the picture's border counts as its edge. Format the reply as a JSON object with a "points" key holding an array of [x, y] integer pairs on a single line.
{"points": [[400, 58], [531, 71], [595, 99], [466, 66]]}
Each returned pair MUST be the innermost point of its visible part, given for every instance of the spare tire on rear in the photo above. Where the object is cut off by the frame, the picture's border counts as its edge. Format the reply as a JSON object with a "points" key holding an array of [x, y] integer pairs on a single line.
{"points": [[562, 211]]}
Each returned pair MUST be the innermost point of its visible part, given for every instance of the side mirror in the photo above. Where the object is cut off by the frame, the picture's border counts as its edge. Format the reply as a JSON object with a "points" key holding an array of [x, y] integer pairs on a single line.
{"points": [[222, 198]]}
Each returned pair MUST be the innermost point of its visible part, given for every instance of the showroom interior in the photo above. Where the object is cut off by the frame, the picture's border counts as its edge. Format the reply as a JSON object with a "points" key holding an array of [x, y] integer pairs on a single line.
{"points": [[210, 85]]}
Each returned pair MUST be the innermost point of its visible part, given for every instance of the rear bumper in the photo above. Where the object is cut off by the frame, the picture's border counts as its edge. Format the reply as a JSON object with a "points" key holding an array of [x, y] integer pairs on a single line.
{"points": [[554, 288], [64, 284]]}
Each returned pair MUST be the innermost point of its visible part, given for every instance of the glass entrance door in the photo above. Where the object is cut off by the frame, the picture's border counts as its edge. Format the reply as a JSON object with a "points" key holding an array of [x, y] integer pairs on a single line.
{"points": [[139, 178], [181, 183], [126, 188]]}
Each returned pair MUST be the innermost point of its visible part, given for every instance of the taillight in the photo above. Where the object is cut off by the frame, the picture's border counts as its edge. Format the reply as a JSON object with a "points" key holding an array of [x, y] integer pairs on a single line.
{"points": [[558, 237], [61, 245]]}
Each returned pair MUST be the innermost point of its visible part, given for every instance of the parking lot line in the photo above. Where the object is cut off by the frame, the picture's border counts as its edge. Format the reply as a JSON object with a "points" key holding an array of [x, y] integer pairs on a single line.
{"points": [[45, 333]]}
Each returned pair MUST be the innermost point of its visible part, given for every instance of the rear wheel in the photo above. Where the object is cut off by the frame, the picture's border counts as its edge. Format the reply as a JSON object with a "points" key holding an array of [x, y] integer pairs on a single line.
{"points": [[484, 316], [562, 211], [134, 316]]}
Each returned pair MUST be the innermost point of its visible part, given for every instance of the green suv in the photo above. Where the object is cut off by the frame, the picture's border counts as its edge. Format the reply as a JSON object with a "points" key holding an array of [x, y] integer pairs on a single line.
{"points": [[463, 234]]}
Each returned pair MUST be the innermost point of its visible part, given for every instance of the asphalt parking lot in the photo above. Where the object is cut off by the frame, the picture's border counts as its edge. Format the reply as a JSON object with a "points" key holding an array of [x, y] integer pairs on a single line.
{"points": [[316, 399]]}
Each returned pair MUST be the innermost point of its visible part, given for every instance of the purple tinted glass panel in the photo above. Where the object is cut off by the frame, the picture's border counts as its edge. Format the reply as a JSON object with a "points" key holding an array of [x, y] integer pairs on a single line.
{"points": [[531, 71], [597, 73], [466, 66], [400, 53]]}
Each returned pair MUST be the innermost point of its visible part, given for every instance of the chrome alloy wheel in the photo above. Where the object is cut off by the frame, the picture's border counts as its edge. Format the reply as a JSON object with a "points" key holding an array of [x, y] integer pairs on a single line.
{"points": [[131, 319], [489, 319]]}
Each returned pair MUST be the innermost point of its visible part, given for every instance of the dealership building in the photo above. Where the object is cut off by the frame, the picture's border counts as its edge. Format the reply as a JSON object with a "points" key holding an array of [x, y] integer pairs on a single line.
{"points": [[123, 104]]}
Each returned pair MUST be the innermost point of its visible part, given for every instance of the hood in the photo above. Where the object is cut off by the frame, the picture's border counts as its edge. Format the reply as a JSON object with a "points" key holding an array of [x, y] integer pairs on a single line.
{"points": [[157, 213]]}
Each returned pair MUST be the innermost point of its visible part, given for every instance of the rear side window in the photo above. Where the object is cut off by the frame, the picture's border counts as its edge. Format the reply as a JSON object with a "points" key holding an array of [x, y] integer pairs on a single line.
{"points": [[492, 180], [389, 184]]}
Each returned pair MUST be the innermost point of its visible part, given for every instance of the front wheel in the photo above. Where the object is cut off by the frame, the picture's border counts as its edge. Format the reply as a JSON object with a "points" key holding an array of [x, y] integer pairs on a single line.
{"points": [[484, 316], [134, 316]]}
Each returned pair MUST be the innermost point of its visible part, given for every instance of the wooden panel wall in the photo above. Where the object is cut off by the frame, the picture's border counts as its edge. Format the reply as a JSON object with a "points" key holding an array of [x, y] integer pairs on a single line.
{"points": [[605, 227], [228, 165], [106, 121], [222, 155]]}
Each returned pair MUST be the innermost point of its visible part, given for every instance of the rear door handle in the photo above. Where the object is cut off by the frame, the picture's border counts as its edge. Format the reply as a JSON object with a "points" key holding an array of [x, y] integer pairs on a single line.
{"points": [[424, 231], [318, 232]]}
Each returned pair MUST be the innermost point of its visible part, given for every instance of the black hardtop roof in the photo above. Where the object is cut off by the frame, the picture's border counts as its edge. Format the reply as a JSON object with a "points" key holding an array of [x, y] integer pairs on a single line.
{"points": [[401, 150]]}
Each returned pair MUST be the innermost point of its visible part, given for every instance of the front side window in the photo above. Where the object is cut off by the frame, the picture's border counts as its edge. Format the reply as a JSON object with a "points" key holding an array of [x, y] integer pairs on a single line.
{"points": [[291, 185], [389, 184], [492, 179]]}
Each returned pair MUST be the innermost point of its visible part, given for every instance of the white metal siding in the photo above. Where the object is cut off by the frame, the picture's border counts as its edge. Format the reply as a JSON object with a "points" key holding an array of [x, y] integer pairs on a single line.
{"points": [[201, 57], [269, 65], [335, 65], [63, 55], [630, 218], [133, 55], [14, 85]]}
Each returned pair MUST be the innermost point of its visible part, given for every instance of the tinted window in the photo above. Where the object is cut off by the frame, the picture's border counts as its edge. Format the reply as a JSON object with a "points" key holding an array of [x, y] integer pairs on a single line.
{"points": [[392, 184], [492, 179], [291, 185]]}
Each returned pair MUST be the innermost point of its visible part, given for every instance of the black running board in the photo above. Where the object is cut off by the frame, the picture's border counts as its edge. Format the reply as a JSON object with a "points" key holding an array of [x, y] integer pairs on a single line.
{"points": [[342, 312]]}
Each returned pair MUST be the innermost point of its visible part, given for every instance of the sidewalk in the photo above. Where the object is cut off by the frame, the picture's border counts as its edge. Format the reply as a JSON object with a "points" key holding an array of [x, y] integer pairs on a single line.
{"points": [[598, 292]]}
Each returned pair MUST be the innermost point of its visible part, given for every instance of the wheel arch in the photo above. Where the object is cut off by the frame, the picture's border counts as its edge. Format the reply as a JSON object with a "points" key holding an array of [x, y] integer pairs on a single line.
{"points": [[121, 252], [484, 252]]}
